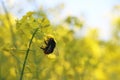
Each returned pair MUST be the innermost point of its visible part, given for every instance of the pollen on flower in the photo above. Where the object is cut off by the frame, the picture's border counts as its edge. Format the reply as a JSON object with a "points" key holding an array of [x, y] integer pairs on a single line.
{"points": [[50, 36], [51, 56]]}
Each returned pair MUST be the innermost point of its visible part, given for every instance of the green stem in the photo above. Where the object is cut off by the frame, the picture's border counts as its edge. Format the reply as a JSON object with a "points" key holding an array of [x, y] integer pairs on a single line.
{"points": [[27, 52]]}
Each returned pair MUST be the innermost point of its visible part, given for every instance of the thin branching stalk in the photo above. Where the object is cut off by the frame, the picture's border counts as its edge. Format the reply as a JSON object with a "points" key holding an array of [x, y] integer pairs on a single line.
{"points": [[27, 52]]}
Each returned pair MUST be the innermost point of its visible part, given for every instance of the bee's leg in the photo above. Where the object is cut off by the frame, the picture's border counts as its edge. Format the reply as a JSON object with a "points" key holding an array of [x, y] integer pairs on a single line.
{"points": [[45, 42], [42, 47]]}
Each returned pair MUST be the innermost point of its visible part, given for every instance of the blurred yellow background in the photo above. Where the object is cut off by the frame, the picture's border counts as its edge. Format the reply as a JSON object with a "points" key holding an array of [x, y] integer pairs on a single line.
{"points": [[87, 46]]}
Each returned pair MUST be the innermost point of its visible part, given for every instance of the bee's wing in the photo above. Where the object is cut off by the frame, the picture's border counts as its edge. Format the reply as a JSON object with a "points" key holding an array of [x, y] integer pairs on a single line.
{"points": [[56, 51]]}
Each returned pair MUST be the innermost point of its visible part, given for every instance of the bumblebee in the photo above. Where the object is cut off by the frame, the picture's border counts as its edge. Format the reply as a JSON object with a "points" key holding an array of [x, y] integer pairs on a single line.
{"points": [[50, 45]]}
